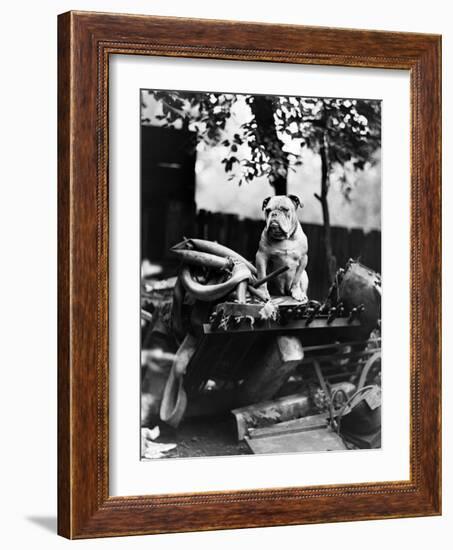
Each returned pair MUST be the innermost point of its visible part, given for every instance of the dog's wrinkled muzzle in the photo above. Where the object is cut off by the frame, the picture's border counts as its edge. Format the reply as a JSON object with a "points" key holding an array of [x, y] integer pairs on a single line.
{"points": [[278, 227], [276, 232]]}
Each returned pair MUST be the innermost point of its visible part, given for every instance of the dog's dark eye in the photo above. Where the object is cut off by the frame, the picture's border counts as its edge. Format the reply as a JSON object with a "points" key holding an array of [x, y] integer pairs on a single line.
{"points": [[267, 211]]}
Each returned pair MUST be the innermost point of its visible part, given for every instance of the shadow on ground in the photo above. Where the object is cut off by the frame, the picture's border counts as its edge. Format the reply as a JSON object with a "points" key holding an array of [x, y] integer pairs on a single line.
{"points": [[49, 523]]}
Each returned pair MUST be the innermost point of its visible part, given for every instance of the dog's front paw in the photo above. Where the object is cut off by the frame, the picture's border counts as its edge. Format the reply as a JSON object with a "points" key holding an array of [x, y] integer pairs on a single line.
{"points": [[265, 292], [298, 294]]}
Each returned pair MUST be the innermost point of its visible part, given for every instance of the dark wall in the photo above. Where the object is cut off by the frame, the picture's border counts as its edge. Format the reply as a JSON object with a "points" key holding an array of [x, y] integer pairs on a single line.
{"points": [[167, 188]]}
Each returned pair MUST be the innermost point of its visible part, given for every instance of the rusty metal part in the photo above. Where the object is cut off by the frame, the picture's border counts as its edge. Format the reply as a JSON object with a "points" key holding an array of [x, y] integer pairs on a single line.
{"points": [[355, 313], [250, 319], [321, 379], [295, 425], [233, 309], [334, 329], [361, 415], [359, 285], [203, 259], [312, 312], [333, 314], [340, 392], [209, 293], [366, 369], [212, 248], [216, 319], [261, 414], [241, 291]]}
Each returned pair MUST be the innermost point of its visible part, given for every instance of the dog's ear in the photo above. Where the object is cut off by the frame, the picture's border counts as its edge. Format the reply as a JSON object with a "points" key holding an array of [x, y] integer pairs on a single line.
{"points": [[296, 201], [265, 201]]}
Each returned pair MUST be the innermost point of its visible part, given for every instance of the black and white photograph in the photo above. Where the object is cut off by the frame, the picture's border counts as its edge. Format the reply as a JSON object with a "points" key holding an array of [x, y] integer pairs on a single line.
{"points": [[260, 274]]}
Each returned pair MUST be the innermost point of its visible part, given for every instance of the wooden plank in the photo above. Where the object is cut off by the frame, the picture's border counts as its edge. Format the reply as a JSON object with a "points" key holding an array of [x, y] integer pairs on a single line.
{"points": [[312, 441]]}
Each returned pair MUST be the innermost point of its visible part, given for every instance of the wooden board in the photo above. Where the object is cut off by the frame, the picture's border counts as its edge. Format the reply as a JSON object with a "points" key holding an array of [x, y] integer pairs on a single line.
{"points": [[310, 441]]}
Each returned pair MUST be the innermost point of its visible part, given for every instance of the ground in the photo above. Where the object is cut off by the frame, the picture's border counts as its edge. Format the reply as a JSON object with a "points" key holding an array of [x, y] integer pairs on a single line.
{"points": [[213, 436]]}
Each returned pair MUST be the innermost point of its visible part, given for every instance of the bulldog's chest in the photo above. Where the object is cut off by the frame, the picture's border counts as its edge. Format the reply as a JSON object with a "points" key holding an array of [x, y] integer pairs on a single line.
{"points": [[286, 253]]}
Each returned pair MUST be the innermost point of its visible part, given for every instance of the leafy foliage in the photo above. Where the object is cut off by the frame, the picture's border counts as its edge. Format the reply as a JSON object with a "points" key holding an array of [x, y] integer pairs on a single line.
{"points": [[351, 129]]}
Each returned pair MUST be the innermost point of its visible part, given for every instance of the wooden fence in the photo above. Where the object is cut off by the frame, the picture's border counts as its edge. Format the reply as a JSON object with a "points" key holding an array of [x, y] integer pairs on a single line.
{"points": [[243, 236]]}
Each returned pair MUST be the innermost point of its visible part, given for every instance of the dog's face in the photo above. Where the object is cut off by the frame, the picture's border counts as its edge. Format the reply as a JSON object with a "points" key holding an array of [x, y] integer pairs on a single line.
{"points": [[280, 216]]}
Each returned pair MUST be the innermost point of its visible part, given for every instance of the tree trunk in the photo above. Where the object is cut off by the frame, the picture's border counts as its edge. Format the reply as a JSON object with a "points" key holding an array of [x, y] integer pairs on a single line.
{"points": [[280, 186], [266, 133], [330, 257]]}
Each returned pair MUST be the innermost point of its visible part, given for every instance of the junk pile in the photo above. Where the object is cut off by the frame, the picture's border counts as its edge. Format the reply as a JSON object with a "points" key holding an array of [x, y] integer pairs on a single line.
{"points": [[230, 335]]}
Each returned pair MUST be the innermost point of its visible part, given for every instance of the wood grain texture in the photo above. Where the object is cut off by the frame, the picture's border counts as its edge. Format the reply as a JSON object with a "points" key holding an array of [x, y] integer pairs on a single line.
{"points": [[85, 42]]}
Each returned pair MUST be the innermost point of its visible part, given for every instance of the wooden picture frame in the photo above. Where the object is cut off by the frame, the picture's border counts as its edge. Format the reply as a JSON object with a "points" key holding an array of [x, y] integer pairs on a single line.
{"points": [[85, 41]]}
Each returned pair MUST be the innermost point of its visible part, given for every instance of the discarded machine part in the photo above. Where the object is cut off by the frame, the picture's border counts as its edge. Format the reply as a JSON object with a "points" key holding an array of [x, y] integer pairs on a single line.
{"points": [[235, 308], [358, 286], [341, 392], [296, 425], [337, 326], [241, 291], [330, 396], [203, 259], [312, 311], [214, 248], [333, 314], [362, 413], [277, 314], [356, 313], [371, 371], [269, 412], [291, 312], [209, 293]]}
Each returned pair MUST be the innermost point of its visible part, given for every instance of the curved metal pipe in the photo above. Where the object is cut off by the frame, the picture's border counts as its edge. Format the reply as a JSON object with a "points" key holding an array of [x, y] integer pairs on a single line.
{"points": [[208, 293], [202, 259], [217, 249]]}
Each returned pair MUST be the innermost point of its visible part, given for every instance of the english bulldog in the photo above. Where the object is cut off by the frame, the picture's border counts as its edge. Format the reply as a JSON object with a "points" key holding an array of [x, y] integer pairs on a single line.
{"points": [[283, 243]]}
